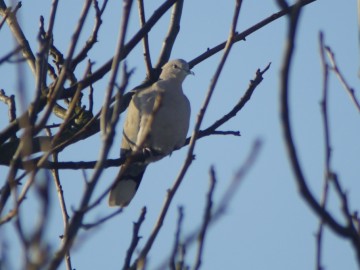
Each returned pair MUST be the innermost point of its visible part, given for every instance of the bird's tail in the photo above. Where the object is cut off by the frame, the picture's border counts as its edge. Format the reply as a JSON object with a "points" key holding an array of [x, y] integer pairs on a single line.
{"points": [[127, 183]]}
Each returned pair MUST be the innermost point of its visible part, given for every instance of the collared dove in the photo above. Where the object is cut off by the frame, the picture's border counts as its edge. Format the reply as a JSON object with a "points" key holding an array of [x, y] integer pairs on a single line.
{"points": [[157, 122]]}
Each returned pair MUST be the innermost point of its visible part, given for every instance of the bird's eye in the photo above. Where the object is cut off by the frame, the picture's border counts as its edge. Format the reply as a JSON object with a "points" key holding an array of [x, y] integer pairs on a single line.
{"points": [[175, 66]]}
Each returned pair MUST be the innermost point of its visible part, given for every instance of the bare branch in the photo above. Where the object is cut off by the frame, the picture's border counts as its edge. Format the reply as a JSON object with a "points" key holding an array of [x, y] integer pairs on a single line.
{"points": [[238, 178], [176, 246], [98, 74], [64, 212], [341, 78], [170, 38], [348, 231], [105, 116], [88, 226], [244, 99], [242, 36], [10, 101], [18, 33], [150, 23], [227, 196], [324, 107], [7, 57], [93, 38], [76, 221], [206, 220], [145, 40], [135, 239], [56, 90]]}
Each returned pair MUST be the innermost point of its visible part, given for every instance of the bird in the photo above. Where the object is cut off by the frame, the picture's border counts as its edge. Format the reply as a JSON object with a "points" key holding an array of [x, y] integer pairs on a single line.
{"points": [[156, 123]]}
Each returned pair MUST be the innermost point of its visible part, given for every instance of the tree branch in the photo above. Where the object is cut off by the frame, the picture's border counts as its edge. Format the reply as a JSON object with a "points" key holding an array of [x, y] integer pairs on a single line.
{"points": [[147, 57], [18, 33], [242, 36], [135, 239], [339, 229], [170, 38], [245, 98], [98, 74], [93, 37], [324, 107], [206, 220], [176, 247], [76, 221], [341, 78]]}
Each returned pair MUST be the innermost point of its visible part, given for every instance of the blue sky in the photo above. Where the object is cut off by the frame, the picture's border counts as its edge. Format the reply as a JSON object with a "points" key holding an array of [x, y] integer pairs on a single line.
{"points": [[267, 225]]}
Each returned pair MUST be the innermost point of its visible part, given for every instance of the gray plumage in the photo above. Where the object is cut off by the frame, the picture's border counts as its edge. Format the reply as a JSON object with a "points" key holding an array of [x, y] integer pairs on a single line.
{"points": [[157, 121]]}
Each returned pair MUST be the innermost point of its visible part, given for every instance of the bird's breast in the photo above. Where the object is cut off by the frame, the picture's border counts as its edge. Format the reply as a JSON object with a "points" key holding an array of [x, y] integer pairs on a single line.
{"points": [[170, 124]]}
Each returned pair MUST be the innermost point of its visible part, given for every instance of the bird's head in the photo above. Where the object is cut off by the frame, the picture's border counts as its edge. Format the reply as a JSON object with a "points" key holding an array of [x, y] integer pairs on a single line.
{"points": [[177, 68]]}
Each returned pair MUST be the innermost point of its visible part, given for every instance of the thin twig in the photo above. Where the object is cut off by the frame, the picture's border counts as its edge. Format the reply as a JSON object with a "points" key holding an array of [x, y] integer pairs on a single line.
{"points": [[324, 107], [145, 40], [91, 92], [243, 35], [244, 99], [206, 220], [169, 40], [10, 101], [16, 30], [64, 212], [8, 56], [341, 78], [176, 245], [93, 37], [41, 64], [38, 251], [88, 226], [135, 239], [105, 116]]}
